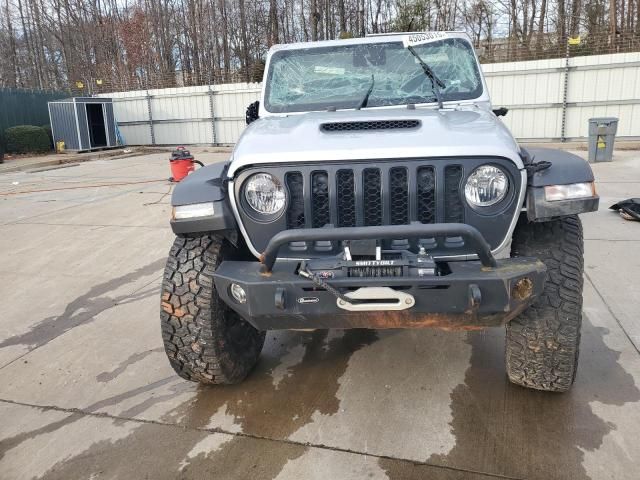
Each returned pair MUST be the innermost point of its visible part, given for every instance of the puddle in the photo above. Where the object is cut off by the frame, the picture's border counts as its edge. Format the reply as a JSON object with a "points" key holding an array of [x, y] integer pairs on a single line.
{"points": [[256, 406], [508, 430], [310, 385], [498, 428]]}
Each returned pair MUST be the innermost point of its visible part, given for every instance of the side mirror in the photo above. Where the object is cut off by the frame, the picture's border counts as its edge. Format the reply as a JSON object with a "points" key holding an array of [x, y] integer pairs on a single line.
{"points": [[500, 112], [252, 112]]}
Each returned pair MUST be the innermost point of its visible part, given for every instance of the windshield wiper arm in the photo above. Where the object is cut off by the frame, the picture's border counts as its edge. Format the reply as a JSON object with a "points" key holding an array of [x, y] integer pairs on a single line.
{"points": [[428, 71], [365, 100]]}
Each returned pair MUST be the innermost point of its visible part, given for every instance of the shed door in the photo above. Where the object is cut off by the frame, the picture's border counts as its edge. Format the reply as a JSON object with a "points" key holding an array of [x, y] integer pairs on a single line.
{"points": [[96, 125], [82, 127], [111, 124]]}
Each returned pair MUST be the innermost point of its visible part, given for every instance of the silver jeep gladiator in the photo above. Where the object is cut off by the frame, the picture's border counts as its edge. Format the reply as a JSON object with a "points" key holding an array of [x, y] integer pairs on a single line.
{"points": [[375, 187]]}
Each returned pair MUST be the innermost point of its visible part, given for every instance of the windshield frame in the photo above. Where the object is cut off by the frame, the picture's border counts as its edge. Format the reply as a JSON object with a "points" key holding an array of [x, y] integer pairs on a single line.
{"points": [[478, 95]]}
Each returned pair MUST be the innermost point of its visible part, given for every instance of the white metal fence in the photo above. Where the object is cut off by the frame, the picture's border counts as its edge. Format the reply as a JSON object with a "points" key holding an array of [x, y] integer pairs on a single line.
{"points": [[188, 115], [547, 100], [597, 86]]}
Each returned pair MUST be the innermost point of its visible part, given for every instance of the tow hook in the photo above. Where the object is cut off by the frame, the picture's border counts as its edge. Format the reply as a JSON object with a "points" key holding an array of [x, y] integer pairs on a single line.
{"points": [[377, 299]]}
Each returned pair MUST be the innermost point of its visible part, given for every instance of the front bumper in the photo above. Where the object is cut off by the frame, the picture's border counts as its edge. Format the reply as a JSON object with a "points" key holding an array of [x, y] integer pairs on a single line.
{"points": [[469, 297]]}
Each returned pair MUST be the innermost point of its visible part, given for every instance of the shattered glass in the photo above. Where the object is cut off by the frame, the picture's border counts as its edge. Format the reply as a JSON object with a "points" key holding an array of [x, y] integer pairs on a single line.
{"points": [[340, 76]]}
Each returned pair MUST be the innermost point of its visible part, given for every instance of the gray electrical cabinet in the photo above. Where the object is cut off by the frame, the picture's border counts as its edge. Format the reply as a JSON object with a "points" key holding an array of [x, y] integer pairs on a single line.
{"points": [[83, 123]]}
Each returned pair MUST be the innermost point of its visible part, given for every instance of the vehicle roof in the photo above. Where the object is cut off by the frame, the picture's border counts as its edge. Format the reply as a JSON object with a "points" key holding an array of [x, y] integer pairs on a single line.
{"points": [[369, 39]]}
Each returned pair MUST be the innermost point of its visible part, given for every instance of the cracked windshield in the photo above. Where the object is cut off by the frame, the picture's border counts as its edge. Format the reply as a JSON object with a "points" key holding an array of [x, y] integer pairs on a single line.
{"points": [[370, 75]]}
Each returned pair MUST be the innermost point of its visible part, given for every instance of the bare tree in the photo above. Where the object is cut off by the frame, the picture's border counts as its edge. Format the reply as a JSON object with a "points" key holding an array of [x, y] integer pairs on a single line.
{"points": [[103, 45]]}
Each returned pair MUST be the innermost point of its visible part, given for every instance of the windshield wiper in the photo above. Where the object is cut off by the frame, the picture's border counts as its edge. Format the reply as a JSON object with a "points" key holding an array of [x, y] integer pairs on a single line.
{"points": [[436, 83], [365, 100]]}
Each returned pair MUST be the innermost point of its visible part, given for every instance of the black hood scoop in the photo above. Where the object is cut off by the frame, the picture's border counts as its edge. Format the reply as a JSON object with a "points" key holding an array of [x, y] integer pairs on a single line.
{"points": [[369, 125]]}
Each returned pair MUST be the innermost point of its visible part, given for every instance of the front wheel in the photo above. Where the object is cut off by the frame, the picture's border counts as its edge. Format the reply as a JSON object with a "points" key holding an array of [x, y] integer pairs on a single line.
{"points": [[542, 343], [205, 340]]}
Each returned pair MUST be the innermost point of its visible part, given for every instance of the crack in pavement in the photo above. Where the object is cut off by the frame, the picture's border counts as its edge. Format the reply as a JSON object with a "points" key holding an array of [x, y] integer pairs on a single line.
{"points": [[613, 315], [79, 411]]}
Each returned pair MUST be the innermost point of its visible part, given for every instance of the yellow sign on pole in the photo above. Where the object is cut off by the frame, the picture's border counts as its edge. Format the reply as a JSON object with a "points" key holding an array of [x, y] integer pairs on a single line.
{"points": [[80, 85], [574, 40]]}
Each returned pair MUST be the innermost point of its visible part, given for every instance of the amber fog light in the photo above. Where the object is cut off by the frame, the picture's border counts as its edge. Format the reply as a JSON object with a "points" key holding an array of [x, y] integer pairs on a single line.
{"points": [[553, 193]]}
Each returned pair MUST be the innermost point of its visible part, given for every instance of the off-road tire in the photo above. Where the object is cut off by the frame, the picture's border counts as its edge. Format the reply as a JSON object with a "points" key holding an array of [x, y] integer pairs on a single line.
{"points": [[205, 340], [543, 342]]}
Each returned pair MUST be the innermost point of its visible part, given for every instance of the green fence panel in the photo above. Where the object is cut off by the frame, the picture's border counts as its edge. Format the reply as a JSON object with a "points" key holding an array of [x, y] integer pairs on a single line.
{"points": [[26, 107]]}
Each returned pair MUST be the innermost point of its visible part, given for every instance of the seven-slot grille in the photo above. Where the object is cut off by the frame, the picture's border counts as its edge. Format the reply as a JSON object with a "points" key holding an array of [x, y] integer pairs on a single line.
{"points": [[387, 195], [382, 192]]}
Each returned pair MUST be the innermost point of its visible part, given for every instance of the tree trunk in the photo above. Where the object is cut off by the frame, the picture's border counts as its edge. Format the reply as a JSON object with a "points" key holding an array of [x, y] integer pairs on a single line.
{"points": [[342, 17], [226, 54], [541, 20], [313, 20], [273, 23], [575, 17], [12, 44], [562, 22], [243, 38], [612, 19]]}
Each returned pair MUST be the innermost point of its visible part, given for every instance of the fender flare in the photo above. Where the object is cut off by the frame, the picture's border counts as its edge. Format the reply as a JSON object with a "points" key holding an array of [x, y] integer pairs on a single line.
{"points": [[207, 184], [566, 168]]}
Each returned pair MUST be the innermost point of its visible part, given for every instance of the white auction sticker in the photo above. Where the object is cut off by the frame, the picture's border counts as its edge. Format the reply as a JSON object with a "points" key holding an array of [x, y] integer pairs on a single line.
{"points": [[328, 70], [422, 38]]}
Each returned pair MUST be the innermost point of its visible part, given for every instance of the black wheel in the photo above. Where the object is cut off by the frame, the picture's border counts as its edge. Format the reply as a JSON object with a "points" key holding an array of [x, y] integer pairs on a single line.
{"points": [[542, 343], [204, 339]]}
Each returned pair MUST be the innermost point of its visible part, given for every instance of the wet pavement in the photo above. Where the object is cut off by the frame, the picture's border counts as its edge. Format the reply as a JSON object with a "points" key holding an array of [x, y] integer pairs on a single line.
{"points": [[86, 390]]}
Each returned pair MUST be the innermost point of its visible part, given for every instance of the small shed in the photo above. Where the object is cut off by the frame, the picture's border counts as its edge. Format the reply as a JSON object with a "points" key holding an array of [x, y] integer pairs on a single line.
{"points": [[83, 123]]}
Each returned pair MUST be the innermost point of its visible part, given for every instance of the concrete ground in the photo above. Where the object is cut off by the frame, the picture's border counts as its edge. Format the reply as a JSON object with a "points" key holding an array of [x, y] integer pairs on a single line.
{"points": [[86, 390], [18, 163]]}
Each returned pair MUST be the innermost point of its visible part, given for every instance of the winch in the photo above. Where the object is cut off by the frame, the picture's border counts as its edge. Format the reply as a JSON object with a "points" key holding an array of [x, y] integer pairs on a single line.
{"points": [[362, 261]]}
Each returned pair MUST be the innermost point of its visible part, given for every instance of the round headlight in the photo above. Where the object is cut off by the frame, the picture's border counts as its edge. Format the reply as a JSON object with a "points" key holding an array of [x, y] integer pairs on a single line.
{"points": [[264, 194], [486, 186]]}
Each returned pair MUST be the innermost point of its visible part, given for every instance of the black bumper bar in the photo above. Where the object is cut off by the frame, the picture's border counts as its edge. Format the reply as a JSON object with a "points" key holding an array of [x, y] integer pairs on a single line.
{"points": [[471, 236], [470, 296]]}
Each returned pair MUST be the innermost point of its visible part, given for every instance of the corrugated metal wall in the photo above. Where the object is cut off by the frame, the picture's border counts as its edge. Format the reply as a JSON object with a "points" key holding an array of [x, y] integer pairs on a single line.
{"points": [[598, 86], [533, 91], [188, 115]]}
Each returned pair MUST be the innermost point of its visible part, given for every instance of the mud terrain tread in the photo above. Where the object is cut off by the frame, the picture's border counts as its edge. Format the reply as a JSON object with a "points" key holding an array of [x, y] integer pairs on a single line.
{"points": [[196, 324], [542, 344]]}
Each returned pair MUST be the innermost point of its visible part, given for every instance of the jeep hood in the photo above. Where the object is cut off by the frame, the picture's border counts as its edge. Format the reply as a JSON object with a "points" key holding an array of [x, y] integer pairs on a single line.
{"points": [[447, 133]]}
